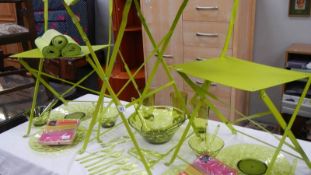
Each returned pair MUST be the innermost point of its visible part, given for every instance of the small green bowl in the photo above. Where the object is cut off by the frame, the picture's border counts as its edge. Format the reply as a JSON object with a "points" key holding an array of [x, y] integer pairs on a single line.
{"points": [[211, 145], [108, 119], [162, 123], [38, 120]]}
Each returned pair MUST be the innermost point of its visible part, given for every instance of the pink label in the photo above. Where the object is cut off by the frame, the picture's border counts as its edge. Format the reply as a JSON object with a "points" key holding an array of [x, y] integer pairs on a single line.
{"points": [[211, 166], [57, 137]]}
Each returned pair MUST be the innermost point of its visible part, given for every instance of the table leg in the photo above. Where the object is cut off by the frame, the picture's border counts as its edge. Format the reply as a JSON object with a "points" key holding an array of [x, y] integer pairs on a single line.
{"points": [[287, 128], [35, 96]]}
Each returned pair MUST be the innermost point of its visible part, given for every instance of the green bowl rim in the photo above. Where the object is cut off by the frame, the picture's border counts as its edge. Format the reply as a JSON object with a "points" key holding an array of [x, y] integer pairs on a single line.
{"points": [[223, 144]]}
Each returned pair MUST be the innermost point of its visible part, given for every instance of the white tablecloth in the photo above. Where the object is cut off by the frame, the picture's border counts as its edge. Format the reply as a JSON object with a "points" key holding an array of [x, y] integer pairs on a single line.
{"points": [[17, 158]]}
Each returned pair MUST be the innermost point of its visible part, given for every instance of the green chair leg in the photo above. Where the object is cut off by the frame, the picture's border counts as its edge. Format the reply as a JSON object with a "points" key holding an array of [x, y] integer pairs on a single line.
{"points": [[286, 127], [221, 117], [184, 135], [34, 98], [37, 75]]}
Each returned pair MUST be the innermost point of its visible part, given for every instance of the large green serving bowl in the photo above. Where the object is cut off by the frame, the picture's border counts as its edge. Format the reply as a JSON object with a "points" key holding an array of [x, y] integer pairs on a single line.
{"points": [[160, 123]]}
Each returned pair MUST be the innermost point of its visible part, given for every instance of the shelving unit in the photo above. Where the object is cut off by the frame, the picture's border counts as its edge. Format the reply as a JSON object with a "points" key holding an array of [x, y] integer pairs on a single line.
{"points": [[131, 49], [297, 57]]}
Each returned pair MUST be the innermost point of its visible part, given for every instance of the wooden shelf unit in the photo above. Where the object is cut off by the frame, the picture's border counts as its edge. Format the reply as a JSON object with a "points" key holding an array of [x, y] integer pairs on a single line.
{"points": [[131, 49], [297, 56]]}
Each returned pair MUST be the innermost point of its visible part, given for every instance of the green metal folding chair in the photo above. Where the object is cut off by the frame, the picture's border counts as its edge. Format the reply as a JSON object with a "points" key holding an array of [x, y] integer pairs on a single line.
{"points": [[88, 52], [243, 75]]}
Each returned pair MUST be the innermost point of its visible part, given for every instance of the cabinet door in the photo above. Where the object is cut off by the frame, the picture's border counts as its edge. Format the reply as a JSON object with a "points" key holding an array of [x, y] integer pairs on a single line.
{"points": [[8, 15], [159, 15]]}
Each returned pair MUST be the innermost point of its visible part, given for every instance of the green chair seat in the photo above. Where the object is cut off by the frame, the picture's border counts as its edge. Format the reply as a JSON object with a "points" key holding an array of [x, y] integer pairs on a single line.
{"points": [[239, 74], [35, 53]]}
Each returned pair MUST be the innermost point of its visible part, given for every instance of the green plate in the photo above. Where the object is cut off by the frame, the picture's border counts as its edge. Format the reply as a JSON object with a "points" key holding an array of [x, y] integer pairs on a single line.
{"points": [[36, 146], [73, 107], [75, 115], [233, 154]]}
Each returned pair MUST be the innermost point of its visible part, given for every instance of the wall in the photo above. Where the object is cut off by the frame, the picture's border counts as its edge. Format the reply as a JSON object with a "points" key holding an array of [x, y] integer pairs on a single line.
{"points": [[274, 32]]}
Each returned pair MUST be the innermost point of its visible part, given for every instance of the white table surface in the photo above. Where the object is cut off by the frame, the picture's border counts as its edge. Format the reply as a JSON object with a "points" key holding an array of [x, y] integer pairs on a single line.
{"points": [[17, 158]]}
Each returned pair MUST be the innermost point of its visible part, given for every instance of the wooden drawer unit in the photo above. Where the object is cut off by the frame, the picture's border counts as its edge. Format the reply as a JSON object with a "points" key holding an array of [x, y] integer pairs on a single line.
{"points": [[208, 10], [159, 15], [192, 53], [200, 33], [205, 34], [160, 24]]}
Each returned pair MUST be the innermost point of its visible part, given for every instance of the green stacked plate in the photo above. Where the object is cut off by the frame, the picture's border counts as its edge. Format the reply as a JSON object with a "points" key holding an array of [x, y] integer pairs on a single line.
{"points": [[85, 110], [36, 146], [253, 159]]}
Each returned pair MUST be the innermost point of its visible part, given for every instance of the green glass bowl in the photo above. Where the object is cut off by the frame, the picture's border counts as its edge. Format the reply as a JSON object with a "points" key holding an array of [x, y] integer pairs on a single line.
{"points": [[162, 122], [210, 145], [109, 117], [233, 154]]}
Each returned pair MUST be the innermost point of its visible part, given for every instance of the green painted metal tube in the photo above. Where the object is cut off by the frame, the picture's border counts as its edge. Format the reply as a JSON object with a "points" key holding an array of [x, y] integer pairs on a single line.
{"points": [[35, 96], [221, 116], [46, 14], [184, 135], [70, 83], [106, 83], [287, 128], [45, 84], [230, 29]]}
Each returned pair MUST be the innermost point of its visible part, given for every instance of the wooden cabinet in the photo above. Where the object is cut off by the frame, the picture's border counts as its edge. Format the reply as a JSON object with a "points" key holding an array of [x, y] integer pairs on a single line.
{"points": [[159, 16], [8, 15], [200, 34], [7, 12], [208, 10]]}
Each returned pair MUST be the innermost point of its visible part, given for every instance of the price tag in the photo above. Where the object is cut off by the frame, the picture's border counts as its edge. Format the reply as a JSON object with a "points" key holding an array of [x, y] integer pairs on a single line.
{"points": [[121, 108]]}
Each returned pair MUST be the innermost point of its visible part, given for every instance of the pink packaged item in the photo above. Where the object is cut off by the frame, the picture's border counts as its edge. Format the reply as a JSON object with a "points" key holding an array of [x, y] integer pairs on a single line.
{"points": [[57, 137], [211, 166], [59, 132]]}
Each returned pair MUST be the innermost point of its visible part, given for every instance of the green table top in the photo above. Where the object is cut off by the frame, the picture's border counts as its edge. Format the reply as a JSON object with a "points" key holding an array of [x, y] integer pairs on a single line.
{"points": [[35, 53], [239, 74]]}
